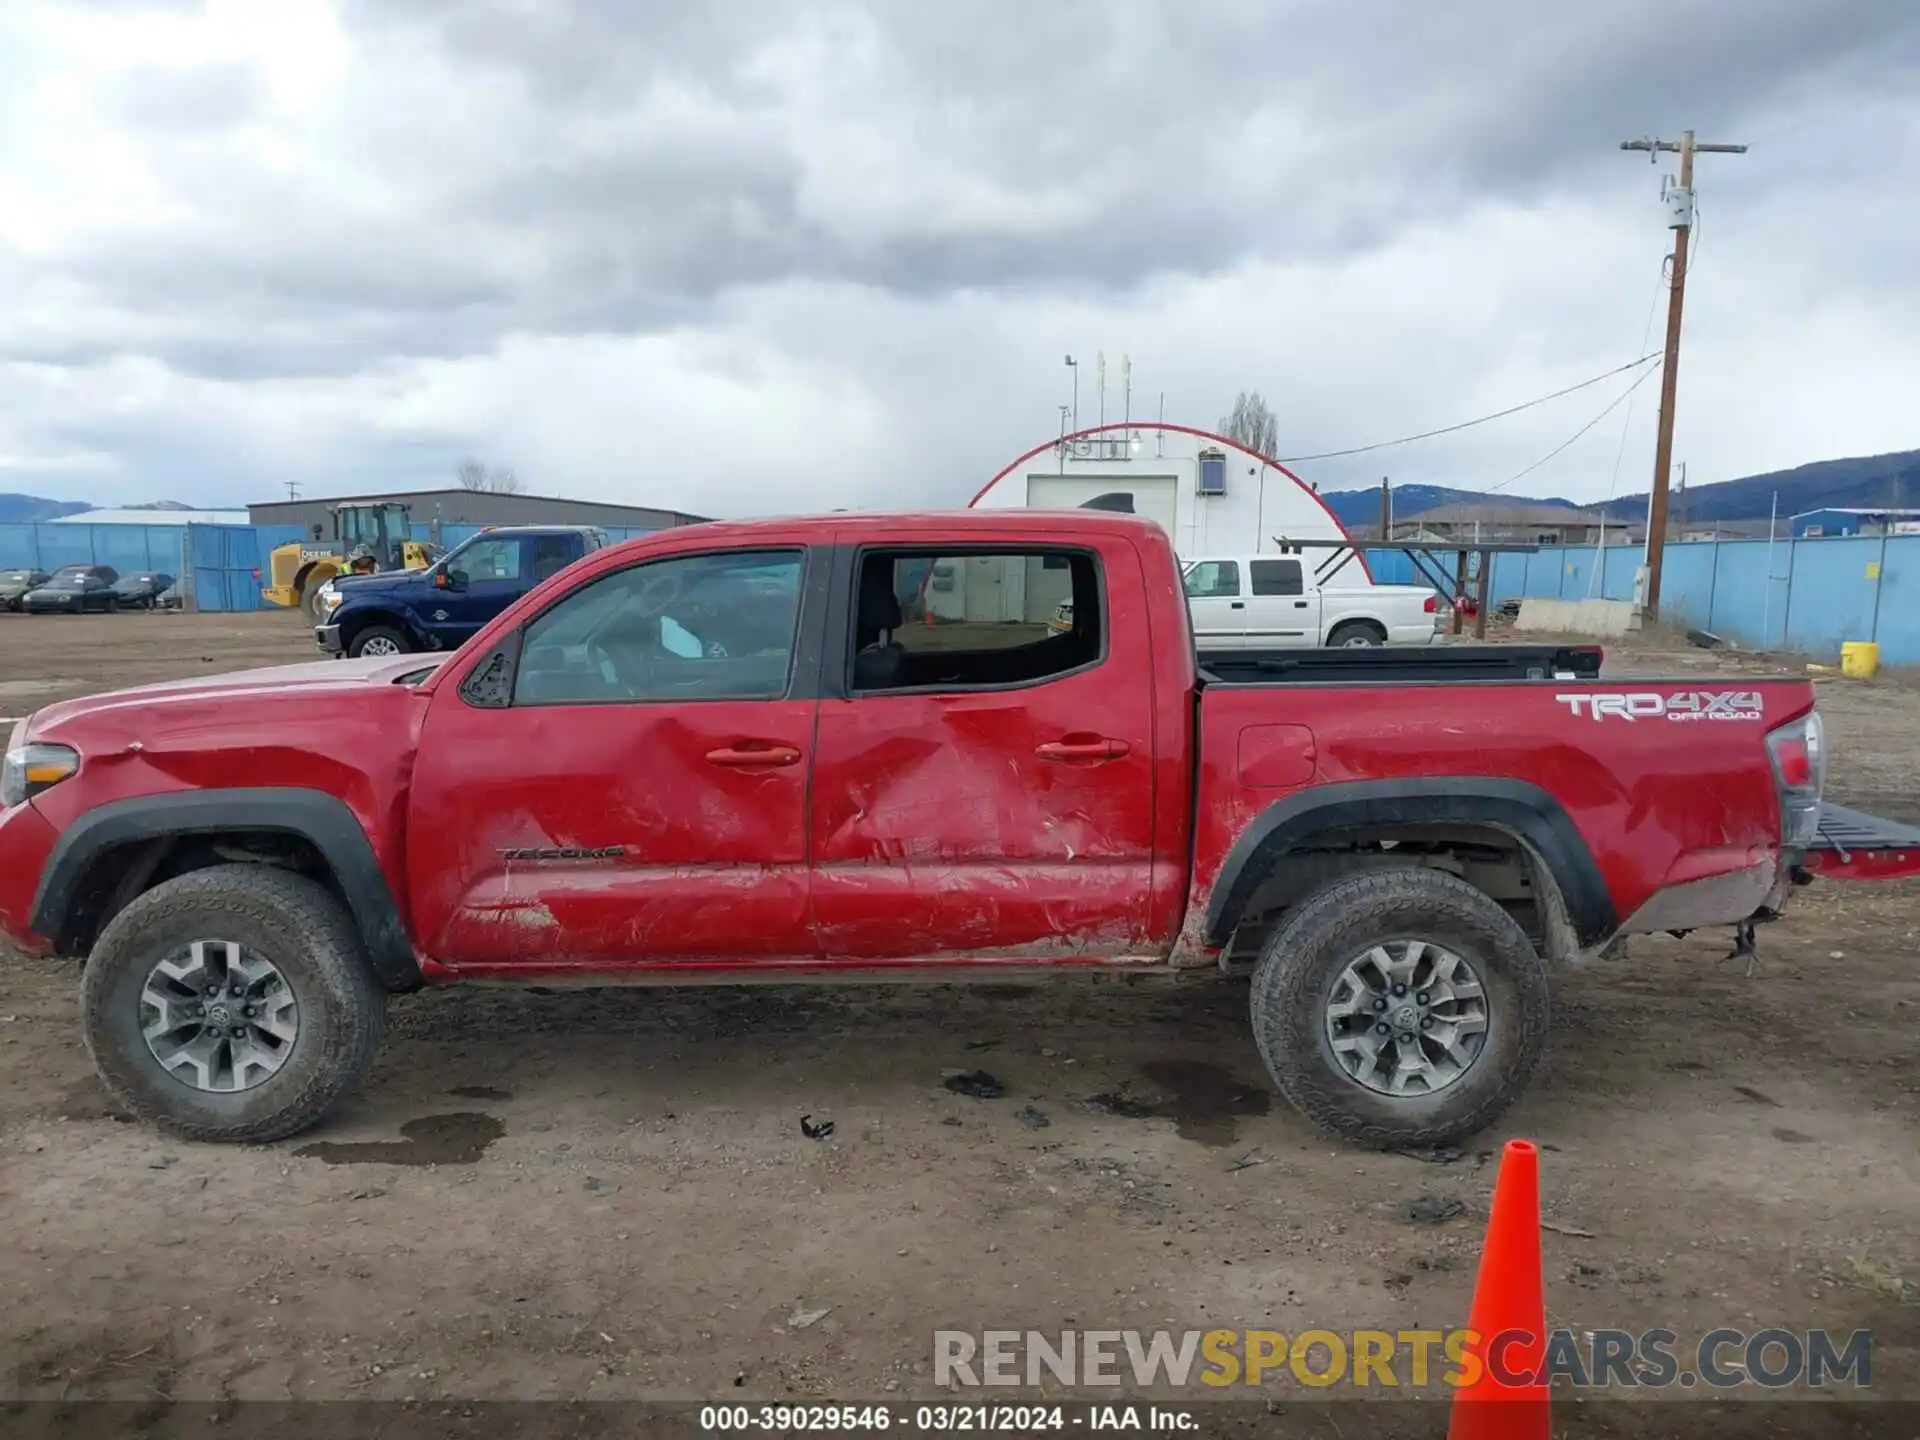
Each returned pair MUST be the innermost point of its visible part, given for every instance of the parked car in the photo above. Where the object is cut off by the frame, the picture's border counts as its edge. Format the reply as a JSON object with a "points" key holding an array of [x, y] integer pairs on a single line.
{"points": [[1262, 602], [101, 572], [14, 585], [439, 608], [1398, 846], [142, 591], [70, 593]]}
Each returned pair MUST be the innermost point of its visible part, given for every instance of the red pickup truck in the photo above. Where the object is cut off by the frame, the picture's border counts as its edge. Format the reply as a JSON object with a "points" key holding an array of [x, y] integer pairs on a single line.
{"points": [[852, 746]]}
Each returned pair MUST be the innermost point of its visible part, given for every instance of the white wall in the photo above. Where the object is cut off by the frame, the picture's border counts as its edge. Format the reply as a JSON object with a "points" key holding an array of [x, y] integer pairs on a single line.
{"points": [[1161, 467]]}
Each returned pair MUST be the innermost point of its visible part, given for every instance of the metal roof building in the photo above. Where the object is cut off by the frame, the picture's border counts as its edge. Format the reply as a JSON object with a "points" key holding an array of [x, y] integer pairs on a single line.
{"points": [[1211, 494], [474, 507]]}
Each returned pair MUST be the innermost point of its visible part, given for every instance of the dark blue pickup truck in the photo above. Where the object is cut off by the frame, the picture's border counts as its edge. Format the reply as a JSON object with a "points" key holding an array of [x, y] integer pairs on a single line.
{"points": [[441, 607]]}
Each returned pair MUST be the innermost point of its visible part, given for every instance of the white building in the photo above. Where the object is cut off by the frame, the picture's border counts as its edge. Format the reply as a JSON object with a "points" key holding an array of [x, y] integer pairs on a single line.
{"points": [[1211, 494]]}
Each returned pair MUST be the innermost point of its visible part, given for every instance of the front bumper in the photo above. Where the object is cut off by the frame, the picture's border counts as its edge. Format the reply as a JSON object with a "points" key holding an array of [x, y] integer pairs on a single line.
{"points": [[327, 637], [26, 840]]}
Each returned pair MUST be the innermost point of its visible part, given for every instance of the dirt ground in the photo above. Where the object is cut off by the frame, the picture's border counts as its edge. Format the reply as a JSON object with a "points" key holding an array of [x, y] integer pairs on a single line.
{"points": [[609, 1194]]}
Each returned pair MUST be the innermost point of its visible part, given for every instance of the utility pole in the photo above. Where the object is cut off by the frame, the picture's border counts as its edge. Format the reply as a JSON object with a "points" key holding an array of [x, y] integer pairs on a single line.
{"points": [[1074, 365], [1680, 220], [1386, 511]]}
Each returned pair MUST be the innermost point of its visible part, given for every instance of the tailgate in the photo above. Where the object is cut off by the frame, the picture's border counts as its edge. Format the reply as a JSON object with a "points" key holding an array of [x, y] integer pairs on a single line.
{"points": [[1852, 845]]}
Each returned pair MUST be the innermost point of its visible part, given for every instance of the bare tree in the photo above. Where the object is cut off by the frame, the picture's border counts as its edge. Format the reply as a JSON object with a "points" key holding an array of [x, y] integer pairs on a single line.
{"points": [[476, 477], [1252, 424]]}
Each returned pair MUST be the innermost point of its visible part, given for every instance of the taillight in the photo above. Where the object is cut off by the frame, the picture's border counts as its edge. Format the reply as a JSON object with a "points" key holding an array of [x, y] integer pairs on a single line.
{"points": [[1433, 604], [1799, 755]]}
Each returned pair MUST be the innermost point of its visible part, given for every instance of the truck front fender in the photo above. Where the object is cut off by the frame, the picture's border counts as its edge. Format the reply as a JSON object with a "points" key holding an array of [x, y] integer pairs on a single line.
{"points": [[71, 882], [352, 621], [1327, 813]]}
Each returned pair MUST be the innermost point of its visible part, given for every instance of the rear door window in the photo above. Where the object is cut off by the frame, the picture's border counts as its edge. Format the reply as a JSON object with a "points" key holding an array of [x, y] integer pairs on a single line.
{"points": [[1276, 577]]}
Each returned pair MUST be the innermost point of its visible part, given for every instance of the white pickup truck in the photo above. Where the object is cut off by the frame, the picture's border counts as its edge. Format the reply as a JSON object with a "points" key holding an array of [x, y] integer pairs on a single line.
{"points": [[1268, 602]]}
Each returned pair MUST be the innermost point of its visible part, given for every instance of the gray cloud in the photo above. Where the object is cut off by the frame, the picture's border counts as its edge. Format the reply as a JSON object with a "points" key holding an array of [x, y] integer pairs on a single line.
{"points": [[197, 98], [883, 192]]}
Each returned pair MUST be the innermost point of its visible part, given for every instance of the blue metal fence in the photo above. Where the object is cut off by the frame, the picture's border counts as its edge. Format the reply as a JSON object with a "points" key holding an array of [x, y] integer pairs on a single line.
{"points": [[129, 549], [1809, 595], [230, 564]]}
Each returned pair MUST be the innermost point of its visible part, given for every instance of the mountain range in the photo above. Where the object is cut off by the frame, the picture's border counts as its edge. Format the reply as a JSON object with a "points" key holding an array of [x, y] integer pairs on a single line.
{"points": [[25, 509], [1868, 482]]}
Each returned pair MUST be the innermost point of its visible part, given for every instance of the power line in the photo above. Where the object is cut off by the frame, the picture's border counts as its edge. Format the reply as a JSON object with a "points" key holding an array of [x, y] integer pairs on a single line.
{"points": [[1626, 426], [1612, 405], [1469, 424]]}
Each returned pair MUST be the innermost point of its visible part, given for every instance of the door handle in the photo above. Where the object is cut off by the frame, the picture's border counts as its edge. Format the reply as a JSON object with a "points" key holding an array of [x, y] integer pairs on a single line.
{"points": [[1299, 604], [753, 752], [1238, 605], [1098, 748]]}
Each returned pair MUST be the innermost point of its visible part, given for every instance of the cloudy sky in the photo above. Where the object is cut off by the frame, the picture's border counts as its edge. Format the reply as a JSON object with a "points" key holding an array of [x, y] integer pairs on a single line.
{"points": [[751, 255]]}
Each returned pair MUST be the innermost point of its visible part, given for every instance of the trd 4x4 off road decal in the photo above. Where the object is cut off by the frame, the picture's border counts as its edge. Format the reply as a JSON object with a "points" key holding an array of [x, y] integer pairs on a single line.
{"points": [[1676, 705]]}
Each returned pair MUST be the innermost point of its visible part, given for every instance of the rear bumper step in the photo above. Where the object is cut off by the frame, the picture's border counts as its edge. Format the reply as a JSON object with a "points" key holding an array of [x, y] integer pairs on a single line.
{"points": [[1852, 845]]}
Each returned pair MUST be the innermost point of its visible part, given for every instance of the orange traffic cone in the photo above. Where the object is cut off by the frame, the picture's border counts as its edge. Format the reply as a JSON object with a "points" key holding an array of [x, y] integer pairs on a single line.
{"points": [[1507, 1401]]}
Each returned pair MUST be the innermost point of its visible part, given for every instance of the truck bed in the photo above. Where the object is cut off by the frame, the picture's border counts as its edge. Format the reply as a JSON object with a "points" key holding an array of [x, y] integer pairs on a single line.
{"points": [[1400, 665]]}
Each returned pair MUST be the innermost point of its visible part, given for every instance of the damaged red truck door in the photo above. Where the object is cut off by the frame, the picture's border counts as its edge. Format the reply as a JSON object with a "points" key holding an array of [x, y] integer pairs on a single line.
{"points": [[614, 805], [991, 802]]}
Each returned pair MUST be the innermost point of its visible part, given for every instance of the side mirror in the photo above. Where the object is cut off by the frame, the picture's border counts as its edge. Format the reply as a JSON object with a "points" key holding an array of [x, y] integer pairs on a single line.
{"points": [[453, 579]]}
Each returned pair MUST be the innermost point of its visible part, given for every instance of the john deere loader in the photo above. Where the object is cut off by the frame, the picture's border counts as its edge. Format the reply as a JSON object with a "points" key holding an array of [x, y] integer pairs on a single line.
{"points": [[296, 571]]}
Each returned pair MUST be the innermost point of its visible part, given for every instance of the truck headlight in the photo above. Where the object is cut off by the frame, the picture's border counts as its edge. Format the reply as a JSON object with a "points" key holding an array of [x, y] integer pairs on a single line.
{"points": [[29, 769]]}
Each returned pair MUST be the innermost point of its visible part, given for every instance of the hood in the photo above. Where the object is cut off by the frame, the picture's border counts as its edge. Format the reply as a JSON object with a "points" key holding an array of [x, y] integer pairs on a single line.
{"points": [[350, 586], [317, 677]]}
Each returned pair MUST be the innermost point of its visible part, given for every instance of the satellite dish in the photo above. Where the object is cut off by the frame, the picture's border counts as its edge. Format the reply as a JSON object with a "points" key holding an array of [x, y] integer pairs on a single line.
{"points": [[1119, 501]]}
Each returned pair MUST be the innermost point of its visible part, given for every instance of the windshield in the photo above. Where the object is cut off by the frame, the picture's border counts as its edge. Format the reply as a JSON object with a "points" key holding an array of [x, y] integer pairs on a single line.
{"points": [[15, 577], [67, 582]]}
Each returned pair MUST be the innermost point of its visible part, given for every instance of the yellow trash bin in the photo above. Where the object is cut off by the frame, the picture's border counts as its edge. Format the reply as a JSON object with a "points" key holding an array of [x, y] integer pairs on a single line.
{"points": [[1859, 659]]}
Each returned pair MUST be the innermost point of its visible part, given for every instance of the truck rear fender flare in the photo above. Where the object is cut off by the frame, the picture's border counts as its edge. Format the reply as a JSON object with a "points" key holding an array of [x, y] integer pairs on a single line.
{"points": [[1515, 807], [320, 819]]}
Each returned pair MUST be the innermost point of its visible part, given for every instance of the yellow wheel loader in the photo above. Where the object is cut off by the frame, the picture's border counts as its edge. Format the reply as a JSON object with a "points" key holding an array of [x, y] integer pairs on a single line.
{"points": [[296, 571]]}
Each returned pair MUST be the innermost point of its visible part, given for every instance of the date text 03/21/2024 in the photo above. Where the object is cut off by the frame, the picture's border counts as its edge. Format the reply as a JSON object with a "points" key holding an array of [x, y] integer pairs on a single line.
{"points": [[942, 1419]]}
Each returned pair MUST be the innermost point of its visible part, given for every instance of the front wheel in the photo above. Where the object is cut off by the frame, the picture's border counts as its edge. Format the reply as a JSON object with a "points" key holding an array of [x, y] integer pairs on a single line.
{"points": [[1400, 1007], [234, 1003], [379, 640]]}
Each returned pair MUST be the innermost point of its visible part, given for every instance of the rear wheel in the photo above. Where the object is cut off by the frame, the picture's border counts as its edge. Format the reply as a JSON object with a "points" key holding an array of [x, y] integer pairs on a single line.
{"points": [[234, 1003], [1400, 1007], [378, 640], [1355, 634]]}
